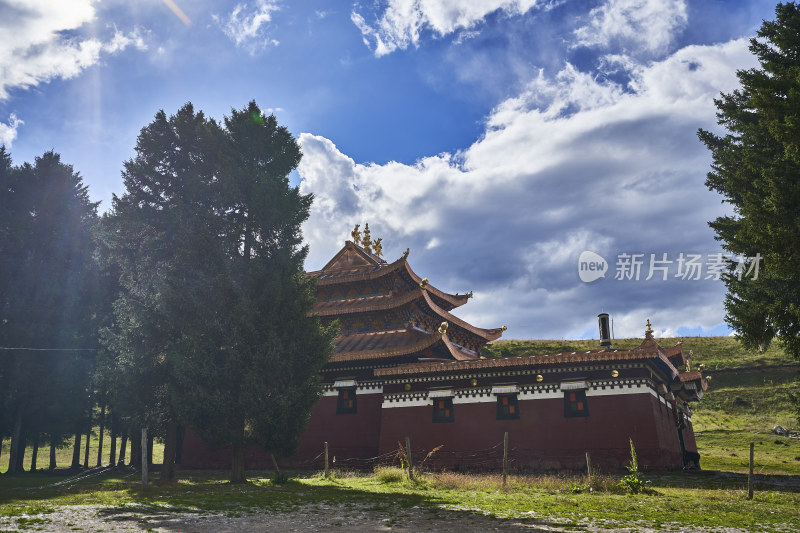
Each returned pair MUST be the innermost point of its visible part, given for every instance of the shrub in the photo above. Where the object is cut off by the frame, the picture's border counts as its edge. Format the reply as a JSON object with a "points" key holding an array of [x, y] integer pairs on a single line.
{"points": [[389, 474], [634, 482]]}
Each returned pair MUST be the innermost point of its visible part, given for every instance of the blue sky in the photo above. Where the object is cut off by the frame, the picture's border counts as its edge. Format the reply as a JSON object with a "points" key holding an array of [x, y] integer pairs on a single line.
{"points": [[497, 139]]}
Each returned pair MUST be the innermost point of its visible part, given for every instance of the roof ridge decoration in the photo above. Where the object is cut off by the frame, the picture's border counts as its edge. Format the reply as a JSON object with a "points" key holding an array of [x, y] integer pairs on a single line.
{"points": [[649, 344], [353, 257], [365, 241]]}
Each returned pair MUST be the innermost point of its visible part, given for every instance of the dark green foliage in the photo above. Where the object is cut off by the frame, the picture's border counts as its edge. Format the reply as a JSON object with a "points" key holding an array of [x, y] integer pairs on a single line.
{"points": [[212, 324], [154, 237], [756, 167], [48, 292]]}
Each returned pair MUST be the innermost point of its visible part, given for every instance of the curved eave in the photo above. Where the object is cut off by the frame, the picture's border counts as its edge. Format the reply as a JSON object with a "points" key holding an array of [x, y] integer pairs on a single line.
{"points": [[383, 303], [675, 354], [453, 300], [457, 353], [383, 353], [694, 376], [365, 305], [327, 278], [487, 334]]}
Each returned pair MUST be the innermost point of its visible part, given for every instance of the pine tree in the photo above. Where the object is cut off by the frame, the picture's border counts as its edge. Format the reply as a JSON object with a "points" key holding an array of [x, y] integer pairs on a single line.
{"points": [[756, 168], [47, 299], [258, 382], [212, 327], [160, 234]]}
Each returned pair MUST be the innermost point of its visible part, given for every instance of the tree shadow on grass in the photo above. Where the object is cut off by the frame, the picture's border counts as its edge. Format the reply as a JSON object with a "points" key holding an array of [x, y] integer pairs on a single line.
{"points": [[720, 480], [195, 503]]}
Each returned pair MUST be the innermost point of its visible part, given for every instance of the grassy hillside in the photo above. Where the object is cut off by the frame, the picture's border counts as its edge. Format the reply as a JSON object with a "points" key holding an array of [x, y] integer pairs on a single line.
{"points": [[747, 397], [717, 353]]}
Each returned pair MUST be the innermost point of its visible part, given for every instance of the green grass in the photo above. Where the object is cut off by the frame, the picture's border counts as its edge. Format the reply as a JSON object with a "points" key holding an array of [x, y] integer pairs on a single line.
{"points": [[677, 501]]}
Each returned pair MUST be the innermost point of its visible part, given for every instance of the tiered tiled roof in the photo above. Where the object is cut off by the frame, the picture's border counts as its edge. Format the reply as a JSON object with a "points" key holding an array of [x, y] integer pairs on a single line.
{"points": [[346, 289]]}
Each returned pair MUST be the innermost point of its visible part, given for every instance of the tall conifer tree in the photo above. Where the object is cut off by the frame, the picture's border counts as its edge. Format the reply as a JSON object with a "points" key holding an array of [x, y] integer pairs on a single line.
{"points": [[212, 321], [756, 168], [47, 299]]}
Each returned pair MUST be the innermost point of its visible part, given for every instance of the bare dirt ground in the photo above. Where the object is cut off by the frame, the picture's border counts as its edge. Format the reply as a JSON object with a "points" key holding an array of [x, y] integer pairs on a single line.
{"points": [[319, 517]]}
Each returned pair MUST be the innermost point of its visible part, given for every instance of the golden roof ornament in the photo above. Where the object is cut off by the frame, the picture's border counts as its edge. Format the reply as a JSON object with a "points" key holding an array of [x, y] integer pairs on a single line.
{"points": [[649, 331], [377, 248], [443, 328], [366, 243], [356, 234], [504, 328], [423, 283], [405, 254], [469, 294]]}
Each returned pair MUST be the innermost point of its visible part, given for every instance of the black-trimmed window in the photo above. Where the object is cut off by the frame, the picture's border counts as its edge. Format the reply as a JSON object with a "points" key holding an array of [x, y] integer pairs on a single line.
{"points": [[507, 407], [347, 401], [443, 410], [575, 403]]}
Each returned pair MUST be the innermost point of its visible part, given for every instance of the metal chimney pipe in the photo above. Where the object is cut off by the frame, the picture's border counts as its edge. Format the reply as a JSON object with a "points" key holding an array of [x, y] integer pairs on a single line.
{"points": [[605, 330]]}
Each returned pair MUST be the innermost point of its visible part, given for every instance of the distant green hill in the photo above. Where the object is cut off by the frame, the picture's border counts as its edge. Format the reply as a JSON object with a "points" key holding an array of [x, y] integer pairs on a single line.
{"points": [[717, 353], [748, 395]]}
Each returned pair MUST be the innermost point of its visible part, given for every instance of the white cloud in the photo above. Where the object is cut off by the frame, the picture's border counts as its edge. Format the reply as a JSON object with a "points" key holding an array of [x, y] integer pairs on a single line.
{"points": [[571, 163], [247, 26], [36, 43], [121, 41], [641, 25], [403, 21], [8, 132]]}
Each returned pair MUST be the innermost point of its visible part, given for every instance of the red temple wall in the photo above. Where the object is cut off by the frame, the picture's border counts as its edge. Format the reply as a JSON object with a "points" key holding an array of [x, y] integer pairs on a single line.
{"points": [[348, 436], [542, 438]]}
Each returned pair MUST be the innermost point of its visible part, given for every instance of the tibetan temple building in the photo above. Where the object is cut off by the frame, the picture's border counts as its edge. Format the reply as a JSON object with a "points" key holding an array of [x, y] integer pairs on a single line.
{"points": [[405, 366]]}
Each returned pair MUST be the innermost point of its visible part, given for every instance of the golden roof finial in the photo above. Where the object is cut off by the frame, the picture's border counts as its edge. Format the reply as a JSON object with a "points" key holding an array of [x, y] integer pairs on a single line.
{"points": [[443, 328], [405, 254], [649, 331], [366, 243], [504, 328], [376, 246], [423, 283], [356, 234], [469, 294]]}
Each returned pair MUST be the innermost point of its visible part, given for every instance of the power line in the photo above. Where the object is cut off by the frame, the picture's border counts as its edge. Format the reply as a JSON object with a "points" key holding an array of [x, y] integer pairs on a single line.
{"points": [[50, 349]]}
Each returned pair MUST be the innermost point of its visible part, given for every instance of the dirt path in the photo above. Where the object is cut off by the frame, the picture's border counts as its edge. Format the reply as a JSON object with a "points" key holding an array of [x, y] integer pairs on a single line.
{"points": [[320, 517], [317, 517]]}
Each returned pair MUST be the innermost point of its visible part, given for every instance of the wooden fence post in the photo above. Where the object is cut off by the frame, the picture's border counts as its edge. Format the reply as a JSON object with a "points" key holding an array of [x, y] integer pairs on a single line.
{"points": [[408, 455], [505, 459], [589, 467], [144, 458], [750, 474], [327, 471]]}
